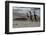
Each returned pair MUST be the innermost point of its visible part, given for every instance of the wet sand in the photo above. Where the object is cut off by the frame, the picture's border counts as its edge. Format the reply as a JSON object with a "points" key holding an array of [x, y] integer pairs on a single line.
{"points": [[25, 23]]}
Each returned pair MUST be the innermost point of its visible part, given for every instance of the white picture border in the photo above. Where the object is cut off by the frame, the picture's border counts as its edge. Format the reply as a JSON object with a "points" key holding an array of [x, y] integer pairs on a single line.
{"points": [[11, 29]]}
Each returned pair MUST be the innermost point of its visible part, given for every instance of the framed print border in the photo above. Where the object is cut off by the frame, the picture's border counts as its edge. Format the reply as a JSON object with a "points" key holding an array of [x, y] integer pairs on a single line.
{"points": [[7, 17]]}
